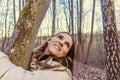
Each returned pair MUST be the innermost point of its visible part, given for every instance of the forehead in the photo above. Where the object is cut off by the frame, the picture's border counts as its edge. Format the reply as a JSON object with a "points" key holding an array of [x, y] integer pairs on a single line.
{"points": [[66, 37]]}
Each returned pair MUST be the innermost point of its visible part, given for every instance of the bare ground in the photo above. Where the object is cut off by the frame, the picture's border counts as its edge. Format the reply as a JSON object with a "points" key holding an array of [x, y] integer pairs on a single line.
{"points": [[85, 72]]}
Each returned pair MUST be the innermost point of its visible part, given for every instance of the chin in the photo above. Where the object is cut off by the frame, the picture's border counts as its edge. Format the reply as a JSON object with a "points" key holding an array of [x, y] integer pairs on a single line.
{"points": [[54, 54], [53, 51]]}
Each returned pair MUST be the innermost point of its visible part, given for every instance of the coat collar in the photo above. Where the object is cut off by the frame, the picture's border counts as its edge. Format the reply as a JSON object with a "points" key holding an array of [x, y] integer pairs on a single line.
{"points": [[53, 65]]}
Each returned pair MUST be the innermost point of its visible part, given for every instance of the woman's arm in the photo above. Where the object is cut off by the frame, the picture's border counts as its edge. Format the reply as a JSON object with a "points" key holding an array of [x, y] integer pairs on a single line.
{"points": [[52, 75], [8, 71], [4, 64]]}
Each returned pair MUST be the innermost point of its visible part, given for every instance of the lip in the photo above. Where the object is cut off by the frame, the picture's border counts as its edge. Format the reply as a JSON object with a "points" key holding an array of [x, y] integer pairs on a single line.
{"points": [[57, 46]]}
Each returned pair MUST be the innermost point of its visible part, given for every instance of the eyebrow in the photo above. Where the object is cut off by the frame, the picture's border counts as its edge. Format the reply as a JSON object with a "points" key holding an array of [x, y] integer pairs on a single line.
{"points": [[67, 43], [61, 36]]}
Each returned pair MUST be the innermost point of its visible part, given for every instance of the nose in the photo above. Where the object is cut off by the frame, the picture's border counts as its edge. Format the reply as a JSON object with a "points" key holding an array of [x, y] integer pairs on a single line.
{"points": [[61, 43]]}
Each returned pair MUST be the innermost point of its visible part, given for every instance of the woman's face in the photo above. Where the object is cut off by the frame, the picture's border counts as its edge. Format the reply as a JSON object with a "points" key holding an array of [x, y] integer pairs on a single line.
{"points": [[59, 45]]}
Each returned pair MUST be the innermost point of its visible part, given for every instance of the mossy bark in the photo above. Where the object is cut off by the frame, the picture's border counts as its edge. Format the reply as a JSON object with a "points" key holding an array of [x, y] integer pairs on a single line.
{"points": [[25, 32]]}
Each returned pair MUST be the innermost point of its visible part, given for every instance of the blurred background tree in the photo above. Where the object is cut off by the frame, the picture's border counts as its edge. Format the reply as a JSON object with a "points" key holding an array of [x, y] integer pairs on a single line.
{"points": [[81, 18]]}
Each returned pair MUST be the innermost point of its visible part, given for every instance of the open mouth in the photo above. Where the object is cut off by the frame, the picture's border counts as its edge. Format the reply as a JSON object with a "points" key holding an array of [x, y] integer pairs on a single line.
{"points": [[56, 46]]}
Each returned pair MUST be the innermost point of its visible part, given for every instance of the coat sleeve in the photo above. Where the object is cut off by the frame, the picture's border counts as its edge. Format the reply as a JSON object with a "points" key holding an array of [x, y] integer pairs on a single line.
{"points": [[4, 64], [9, 71], [52, 75]]}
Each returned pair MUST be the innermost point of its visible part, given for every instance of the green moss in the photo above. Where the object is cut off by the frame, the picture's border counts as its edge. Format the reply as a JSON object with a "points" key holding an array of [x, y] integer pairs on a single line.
{"points": [[26, 13]]}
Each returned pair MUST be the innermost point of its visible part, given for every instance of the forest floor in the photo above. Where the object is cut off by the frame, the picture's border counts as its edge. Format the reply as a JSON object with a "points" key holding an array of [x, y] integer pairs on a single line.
{"points": [[85, 72]]}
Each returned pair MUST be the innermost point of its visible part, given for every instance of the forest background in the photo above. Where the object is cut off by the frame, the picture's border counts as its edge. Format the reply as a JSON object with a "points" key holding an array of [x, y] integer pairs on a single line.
{"points": [[82, 18]]}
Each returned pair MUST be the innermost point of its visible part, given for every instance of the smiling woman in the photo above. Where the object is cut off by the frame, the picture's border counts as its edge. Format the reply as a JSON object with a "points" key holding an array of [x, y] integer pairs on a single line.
{"points": [[59, 48], [51, 61], [59, 45]]}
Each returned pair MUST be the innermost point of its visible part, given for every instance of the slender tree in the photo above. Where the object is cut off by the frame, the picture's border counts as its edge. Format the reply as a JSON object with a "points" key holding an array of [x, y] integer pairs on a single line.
{"points": [[72, 17], [19, 6], [110, 40], [79, 32], [5, 28], [14, 12], [79, 29], [23, 3], [69, 26], [91, 35], [54, 15], [66, 16], [25, 32]]}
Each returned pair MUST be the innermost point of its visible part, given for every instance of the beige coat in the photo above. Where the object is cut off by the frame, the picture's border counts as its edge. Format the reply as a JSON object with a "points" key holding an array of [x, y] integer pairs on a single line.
{"points": [[9, 71]]}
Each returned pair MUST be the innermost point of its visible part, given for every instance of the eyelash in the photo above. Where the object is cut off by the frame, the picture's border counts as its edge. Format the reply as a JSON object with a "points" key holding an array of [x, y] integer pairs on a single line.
{"points": [[60, 37], [67, 45]]}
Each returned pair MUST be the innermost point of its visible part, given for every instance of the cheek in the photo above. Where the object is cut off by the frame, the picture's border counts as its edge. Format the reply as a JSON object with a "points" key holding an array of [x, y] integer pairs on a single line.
{"points": [[65, 51], [52, 49], [50, 44]]}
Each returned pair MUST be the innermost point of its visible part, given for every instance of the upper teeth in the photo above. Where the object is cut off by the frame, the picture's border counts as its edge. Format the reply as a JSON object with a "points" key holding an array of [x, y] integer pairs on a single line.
{"points": [[56, 46]]}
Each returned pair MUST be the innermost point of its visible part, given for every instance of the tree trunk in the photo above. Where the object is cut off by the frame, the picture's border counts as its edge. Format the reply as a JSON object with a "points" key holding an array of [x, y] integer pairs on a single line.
{"points": [[19, 6], [80, 32], [23, 3], [4, 43], [72, 17], [79, 46], [54, 14], [110, 40], [25, 32], [66, 18], [14, 11], [69, 26], [91, 35]]}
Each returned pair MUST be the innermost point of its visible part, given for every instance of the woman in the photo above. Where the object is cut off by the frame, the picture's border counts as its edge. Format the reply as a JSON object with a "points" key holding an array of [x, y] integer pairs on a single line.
{"points": [[52, 61]]}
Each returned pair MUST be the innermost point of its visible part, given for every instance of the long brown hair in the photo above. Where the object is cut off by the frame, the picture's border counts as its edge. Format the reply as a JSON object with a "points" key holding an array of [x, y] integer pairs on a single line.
{"points": [[66, 61]]}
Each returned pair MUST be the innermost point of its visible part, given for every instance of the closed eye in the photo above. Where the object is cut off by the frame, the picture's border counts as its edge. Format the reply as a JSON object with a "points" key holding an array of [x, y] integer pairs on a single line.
{"points": [[60, 37], [67, 44]]}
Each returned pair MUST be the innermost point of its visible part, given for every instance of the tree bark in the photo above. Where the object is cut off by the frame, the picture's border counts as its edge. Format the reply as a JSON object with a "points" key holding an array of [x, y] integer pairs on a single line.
{"points": [[72, 17], [19, 6], [23, 3], [54, 15], [91, 35], [69, 26], [14, 11], [110, 40], [79, 25], [4, 43], [25, 32]]}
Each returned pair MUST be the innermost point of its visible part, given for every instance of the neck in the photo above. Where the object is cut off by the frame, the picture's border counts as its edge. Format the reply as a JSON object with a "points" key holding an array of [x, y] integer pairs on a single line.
{"points": [[46, 52]]}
